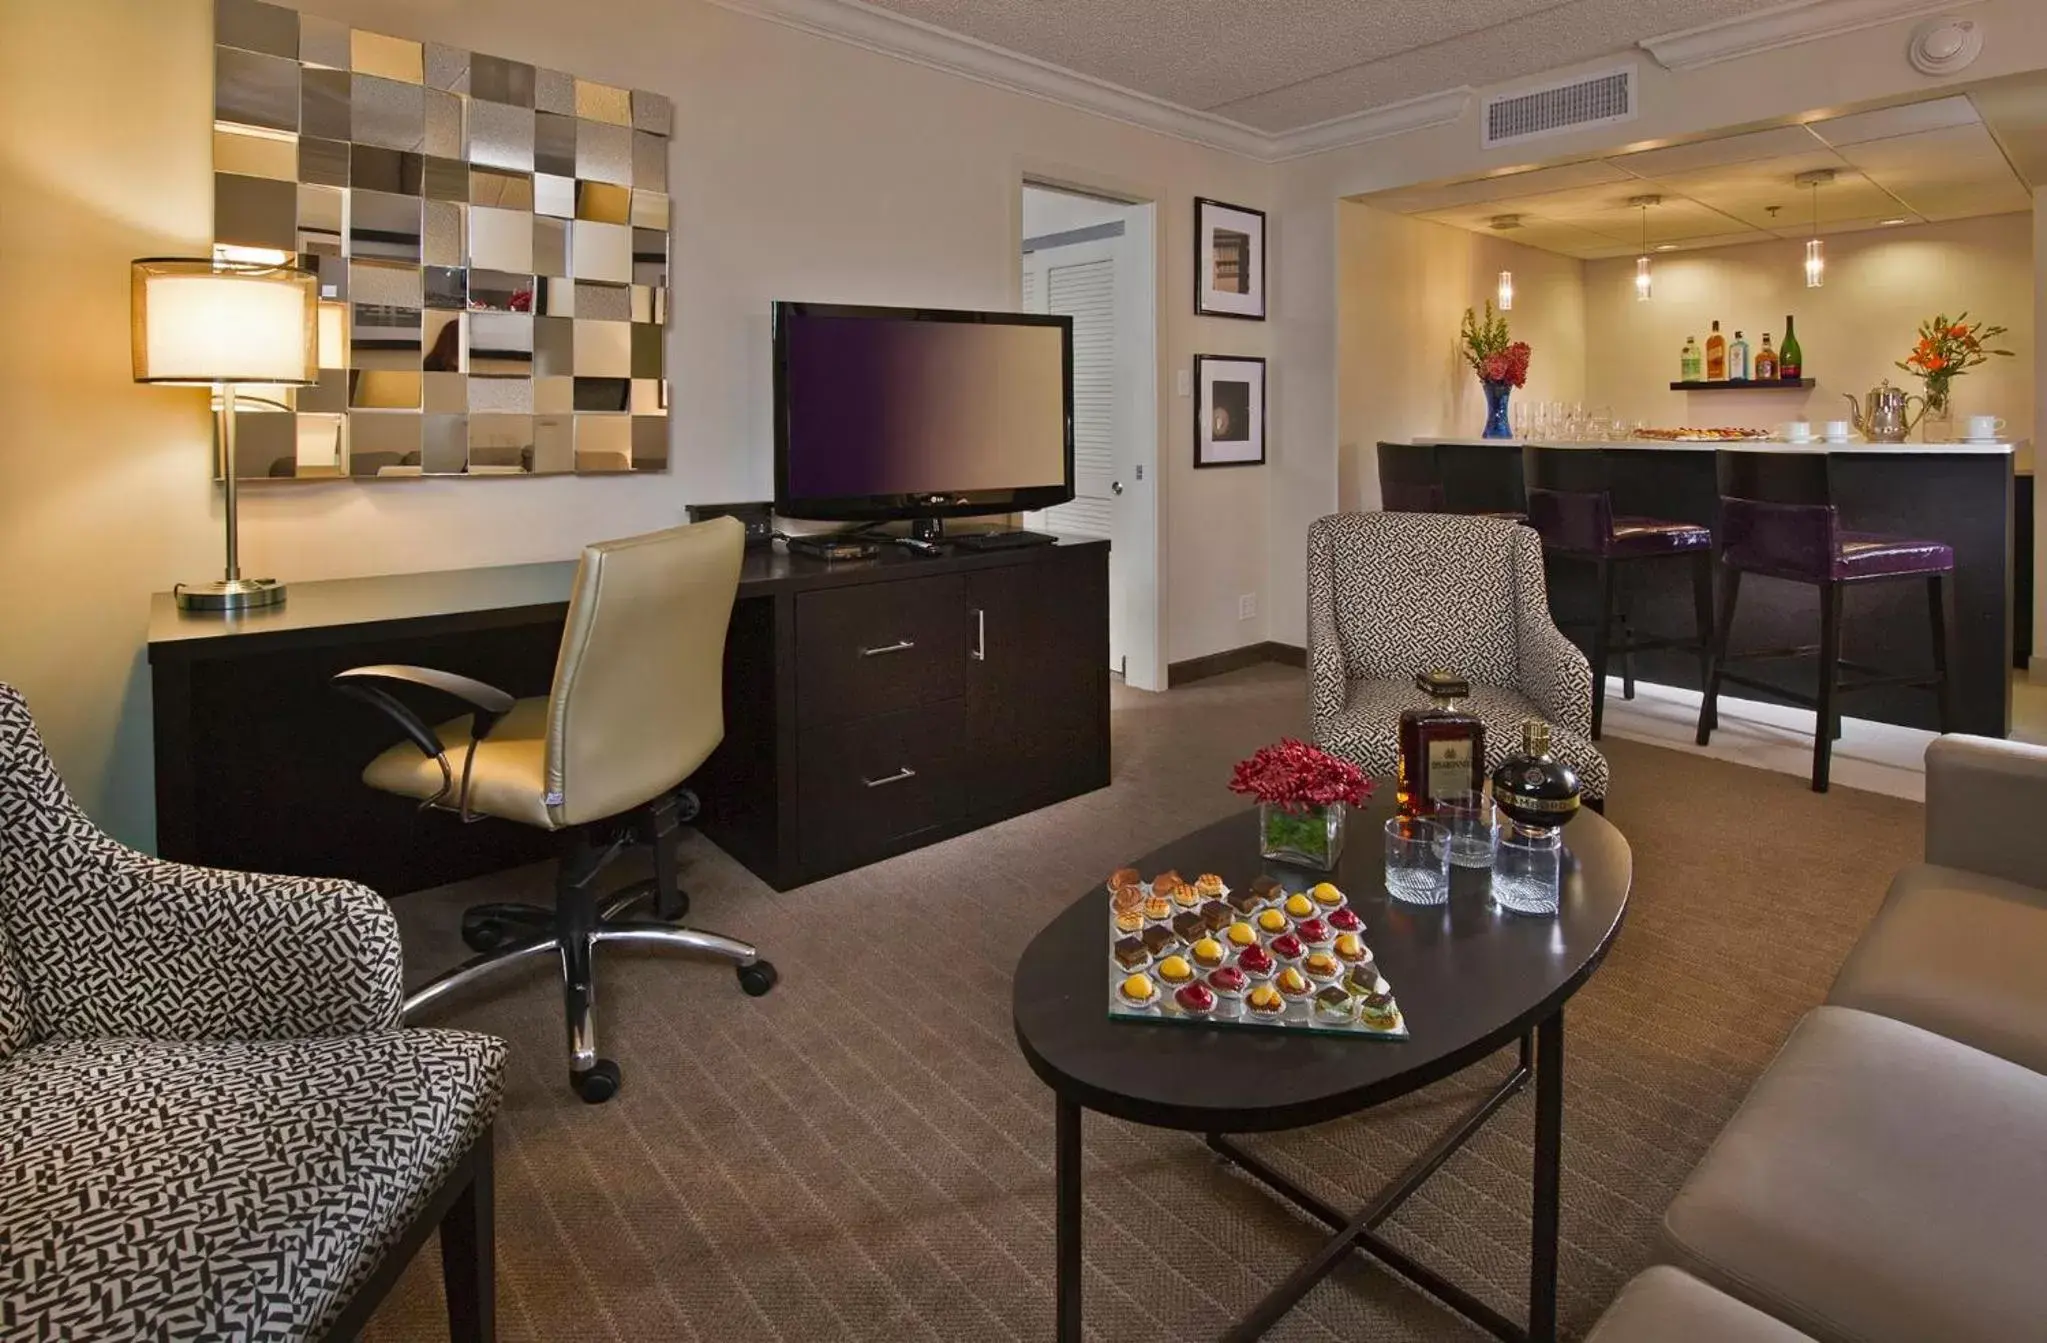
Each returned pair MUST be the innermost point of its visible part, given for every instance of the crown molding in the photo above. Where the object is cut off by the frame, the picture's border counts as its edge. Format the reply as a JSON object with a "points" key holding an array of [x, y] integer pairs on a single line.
{"points": [[1431, 109], [891, 34], [1786, 26]]}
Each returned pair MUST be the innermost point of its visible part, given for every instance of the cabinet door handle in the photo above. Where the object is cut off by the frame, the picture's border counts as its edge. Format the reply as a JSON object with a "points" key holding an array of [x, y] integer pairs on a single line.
{"points": [[904, 773], [899, 646], [980, 653]]}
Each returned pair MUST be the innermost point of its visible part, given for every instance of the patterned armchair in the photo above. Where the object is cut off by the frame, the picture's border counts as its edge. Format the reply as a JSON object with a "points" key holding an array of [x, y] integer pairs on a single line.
{"points": [[211, 1124], [1393, 594]]}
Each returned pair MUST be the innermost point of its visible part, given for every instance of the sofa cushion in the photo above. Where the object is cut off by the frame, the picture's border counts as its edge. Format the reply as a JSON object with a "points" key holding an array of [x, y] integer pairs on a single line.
{"points": [[197, 1191], [1663, 1305], [1366, 731], [1881, 1184], [1959, 954]]}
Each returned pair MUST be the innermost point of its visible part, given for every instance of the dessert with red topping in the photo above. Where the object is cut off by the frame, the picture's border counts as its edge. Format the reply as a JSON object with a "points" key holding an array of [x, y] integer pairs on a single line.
{"points": [[1288, 947], [1315, 933], [1229, 982], [1256, 962], [1195, 1000], [1345, 921]]}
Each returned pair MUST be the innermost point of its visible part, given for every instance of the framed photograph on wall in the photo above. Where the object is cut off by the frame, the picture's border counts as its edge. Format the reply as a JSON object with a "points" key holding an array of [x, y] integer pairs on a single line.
{"points": [[1229, 261], [1229, 410]]}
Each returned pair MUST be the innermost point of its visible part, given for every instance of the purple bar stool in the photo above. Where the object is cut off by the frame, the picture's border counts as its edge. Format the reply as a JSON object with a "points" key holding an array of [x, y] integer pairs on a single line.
{"points": [[1411, 481], [1777, 519], [1570, 503]]}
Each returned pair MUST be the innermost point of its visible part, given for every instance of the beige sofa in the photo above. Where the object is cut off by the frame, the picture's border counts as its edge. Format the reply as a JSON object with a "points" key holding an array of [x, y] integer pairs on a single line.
{"points": [[1886, 1180]]}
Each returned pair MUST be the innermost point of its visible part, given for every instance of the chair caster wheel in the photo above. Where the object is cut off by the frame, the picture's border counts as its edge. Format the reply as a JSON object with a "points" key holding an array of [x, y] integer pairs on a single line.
{"points": [[687, 806], [485, 935], [758, 978], [599, 1084]]}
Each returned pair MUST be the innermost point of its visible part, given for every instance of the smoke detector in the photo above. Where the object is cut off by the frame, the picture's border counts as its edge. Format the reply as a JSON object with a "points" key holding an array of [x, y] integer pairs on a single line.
{"points": [[1943, 46]]}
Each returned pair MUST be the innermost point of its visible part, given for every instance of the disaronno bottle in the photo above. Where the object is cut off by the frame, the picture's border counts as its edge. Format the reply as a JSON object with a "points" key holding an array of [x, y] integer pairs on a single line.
{"points": [[1534, 789], [1442, 748]]}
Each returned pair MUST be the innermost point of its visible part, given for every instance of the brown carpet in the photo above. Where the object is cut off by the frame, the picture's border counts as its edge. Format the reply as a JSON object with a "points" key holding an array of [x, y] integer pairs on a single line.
{"points": [[864, 1155]]}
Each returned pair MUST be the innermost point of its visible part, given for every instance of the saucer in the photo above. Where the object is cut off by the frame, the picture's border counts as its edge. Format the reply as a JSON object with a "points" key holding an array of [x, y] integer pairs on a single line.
{"points": [[1829, 438], [1979, 440], [1809, 438]]}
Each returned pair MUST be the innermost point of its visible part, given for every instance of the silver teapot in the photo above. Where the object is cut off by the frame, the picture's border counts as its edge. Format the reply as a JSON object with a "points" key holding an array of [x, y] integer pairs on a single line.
{"points": [[1890, 416]]}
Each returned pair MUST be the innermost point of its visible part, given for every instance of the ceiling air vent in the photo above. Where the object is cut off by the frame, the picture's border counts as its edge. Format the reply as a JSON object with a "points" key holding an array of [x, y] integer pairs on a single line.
{"points": [[1590, 100]]}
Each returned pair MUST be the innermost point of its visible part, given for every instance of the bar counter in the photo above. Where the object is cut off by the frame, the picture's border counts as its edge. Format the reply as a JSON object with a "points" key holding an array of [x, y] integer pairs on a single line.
{"points": [[1959, 493]]}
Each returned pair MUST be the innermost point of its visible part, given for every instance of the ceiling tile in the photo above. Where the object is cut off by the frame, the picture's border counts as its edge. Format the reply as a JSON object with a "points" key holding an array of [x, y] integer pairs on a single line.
{"points": [[1911, 118], [1510, 186], [1940, 172], [1753, 147]]}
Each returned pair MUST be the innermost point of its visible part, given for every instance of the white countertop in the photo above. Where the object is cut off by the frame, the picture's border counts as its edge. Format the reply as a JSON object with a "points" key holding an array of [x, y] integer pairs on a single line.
{"points": [[2002, 447]]}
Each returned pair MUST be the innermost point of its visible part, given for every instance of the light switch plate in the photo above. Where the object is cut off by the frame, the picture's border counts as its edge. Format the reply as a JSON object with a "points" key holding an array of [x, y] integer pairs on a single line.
{"points": [[1183, 383]]}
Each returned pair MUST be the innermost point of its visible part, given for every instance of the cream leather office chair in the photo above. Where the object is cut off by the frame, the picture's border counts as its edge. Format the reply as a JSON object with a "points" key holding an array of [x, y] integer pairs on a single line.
{"points": [[636, 706]]}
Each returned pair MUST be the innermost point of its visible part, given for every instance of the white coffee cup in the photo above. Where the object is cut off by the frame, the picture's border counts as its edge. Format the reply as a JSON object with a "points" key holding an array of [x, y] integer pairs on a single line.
{"points": [[1985, 426], [1838, 431], [1798, 431]]}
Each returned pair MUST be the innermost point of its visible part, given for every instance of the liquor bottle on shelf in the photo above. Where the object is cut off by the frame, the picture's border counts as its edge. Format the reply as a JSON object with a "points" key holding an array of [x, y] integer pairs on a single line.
{"points": [[1737, 359], [1790, 359], [1442, 748], [1766, 361], [1690, 362], [1536, 791], [1716, 355]]}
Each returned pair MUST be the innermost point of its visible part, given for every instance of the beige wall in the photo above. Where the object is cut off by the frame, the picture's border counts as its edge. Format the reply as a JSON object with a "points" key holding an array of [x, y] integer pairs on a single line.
{"points": [[1402, 287], [803, 168], [1880, 285]]}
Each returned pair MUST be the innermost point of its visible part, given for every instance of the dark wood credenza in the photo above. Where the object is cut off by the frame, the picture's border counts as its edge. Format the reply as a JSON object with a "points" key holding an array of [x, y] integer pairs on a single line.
{"points": [[871, 707]]}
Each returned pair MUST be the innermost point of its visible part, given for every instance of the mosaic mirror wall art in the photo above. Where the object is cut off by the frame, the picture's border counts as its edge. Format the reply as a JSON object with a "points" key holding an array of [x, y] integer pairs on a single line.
{"points": [[491, 241]]}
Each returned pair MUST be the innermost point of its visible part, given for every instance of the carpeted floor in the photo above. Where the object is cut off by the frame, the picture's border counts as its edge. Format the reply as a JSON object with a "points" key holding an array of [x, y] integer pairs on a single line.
{"points": [[864, 1155]]}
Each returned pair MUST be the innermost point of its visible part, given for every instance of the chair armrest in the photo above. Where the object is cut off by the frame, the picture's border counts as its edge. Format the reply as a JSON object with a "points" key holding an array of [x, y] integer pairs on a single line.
{"points": [[1328, 674], [1554, 673], [1984, 802], [489, 702]]}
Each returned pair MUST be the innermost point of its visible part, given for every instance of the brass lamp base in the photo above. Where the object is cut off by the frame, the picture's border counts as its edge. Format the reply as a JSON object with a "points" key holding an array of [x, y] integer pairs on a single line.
{"points": [[229, 594]]}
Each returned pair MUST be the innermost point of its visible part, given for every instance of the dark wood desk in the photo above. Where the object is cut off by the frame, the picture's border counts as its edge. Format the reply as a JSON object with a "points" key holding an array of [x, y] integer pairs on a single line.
{"points": [[1002, 701]]}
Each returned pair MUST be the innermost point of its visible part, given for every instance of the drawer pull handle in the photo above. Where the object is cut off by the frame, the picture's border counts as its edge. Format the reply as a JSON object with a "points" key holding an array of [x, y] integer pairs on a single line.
{"points": [[899, 646], [904, 773], [980, 653]]}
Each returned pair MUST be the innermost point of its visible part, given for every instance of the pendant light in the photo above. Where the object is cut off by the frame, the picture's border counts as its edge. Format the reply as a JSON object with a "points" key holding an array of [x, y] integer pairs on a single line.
{"points": [[1642, 283], [1506, 303], [1815, 250], [1503, 299]]}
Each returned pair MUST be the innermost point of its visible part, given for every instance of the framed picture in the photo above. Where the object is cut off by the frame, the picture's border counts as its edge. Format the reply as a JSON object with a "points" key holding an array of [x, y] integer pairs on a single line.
{"points": [[1229, 410], [1229, 261]]}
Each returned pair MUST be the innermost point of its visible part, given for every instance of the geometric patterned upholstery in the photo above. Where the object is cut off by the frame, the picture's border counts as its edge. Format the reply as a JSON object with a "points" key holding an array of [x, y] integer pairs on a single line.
{"points": [[1393, 594], [219, 1190], [211, 1124]]}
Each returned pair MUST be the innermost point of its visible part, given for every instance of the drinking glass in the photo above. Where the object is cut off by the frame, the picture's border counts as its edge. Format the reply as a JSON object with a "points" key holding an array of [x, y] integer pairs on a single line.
{"points": [[1417, 861], [1467, 822], [1527, 871], [1520, 413]]}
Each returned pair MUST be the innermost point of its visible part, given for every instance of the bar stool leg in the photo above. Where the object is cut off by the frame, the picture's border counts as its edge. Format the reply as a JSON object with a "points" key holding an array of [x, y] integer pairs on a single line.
{"points": [[1625, 583], [1600, 637], [1940, 596], [1709, 707], [1830, 679], [1702, 611]]}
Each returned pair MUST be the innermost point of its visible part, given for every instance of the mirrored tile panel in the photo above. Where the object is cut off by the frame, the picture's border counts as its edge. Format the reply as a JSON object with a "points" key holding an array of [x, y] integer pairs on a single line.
{"points": [[490, 241]]}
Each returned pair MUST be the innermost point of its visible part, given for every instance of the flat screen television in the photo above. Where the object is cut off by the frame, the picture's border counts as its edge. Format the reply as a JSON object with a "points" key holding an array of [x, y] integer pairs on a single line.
{"points": [[920, 413]]}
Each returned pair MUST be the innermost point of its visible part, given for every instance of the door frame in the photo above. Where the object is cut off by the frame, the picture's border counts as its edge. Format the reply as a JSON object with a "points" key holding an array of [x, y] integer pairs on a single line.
{"points": [[1143, 573]]}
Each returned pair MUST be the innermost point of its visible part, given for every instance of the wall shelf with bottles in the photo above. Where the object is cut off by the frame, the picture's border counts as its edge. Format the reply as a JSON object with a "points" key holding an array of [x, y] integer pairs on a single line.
{"points": [[1742, 385]]}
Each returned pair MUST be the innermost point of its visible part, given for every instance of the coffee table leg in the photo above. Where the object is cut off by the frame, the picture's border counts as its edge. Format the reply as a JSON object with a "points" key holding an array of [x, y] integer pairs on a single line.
{"points": [[1068, 1227], [1549, 1145]]}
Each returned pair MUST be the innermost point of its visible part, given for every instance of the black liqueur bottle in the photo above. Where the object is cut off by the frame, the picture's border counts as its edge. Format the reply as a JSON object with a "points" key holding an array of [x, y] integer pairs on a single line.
{"points": [[1536, 791]]}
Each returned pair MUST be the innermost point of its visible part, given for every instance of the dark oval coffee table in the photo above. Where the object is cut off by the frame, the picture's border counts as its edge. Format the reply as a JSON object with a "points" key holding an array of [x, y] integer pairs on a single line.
{"points": [[1470, 979]]}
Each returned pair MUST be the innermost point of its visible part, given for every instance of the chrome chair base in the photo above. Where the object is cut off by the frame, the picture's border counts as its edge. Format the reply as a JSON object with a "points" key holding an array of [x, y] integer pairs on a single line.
{"points": [[575, 927]]}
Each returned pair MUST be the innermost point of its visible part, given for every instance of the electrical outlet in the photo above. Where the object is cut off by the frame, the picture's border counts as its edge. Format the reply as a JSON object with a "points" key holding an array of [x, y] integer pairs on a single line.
{"points": [[1183, 383], [1247, 606]]}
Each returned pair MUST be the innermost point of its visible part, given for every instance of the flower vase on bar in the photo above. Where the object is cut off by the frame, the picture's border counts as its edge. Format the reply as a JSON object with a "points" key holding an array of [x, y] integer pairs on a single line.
{"points": [[1303, 795], [1501, 365]]}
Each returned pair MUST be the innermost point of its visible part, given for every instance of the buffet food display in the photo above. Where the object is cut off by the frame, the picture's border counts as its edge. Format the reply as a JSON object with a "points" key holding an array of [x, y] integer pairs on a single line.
{"points": [[1689, 435], [1199, 953]]}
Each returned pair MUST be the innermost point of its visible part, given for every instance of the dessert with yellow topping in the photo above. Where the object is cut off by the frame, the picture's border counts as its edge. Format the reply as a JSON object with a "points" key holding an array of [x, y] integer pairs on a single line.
{"points": [[1292, 983], [1272, 921], [1266, 1000], [1299, 906], [1242, 935], [1139, 991], [1208, 953], [1351, 948], [1326, 895], [1175, 970], [1321, 965]]}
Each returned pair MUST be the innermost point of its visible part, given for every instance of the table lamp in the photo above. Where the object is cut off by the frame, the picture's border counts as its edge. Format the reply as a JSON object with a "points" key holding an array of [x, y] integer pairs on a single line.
{"points": [[204, 323]]}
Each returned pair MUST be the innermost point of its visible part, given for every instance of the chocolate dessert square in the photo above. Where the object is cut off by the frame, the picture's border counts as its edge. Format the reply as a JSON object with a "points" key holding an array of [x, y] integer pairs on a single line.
{"points": [[1131, 952], [1245, 899], [1215, 915], [1158, 937], [1189, 925]]}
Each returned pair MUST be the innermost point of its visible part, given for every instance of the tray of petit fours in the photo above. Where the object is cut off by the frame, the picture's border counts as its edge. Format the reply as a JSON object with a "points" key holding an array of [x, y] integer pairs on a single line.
{"points": [[1198, 953]]}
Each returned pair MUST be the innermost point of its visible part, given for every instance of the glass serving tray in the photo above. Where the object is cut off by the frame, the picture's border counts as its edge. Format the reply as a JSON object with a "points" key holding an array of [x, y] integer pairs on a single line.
{"points": [[1287, 937]]}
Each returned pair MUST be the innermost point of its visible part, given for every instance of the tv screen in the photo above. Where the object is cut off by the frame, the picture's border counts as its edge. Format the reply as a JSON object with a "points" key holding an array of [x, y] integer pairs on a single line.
{"points": [[899, 412]]}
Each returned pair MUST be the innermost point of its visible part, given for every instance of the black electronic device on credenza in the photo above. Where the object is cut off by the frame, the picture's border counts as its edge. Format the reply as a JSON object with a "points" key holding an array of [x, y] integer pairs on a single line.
{"points": [[920, 414]]}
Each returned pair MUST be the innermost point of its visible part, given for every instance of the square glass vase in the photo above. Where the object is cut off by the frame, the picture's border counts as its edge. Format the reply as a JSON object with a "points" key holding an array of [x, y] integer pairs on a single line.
{"points": [[1312, 837]]}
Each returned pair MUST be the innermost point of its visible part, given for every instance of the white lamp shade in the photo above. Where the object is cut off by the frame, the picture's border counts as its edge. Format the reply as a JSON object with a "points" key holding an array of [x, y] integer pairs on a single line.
{"points": [[198, 321]]}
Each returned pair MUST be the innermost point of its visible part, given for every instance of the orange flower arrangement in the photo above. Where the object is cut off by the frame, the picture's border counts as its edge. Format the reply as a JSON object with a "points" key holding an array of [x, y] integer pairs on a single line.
{"points": [[1946, 350]]}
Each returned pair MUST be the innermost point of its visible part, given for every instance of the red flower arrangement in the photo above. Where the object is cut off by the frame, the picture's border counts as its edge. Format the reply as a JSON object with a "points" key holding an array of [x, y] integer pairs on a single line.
{"points": [[1488, 351], [1295, 776]]}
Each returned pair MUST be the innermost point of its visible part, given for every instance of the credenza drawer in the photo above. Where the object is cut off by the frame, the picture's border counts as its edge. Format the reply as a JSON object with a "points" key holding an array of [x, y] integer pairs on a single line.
{"points": [[866, 785], [879, 647]]}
